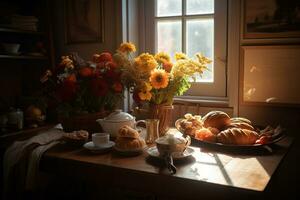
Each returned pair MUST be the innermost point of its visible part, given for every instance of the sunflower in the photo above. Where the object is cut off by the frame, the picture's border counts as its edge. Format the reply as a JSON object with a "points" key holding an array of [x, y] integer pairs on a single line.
{"points": [[127, 47], [159, 78], [162, 57]]}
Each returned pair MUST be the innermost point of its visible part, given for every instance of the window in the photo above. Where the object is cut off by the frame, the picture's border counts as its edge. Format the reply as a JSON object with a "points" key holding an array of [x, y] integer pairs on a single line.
{"points": [[191, 26]]}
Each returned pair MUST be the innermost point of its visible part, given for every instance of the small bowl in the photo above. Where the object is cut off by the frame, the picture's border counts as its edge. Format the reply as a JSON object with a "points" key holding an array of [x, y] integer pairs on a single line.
{"points": [[11, 48]]}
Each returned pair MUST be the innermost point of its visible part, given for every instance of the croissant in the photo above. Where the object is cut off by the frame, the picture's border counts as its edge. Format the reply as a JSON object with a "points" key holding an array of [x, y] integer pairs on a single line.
{"points": [[237, 136], [241, 125]]}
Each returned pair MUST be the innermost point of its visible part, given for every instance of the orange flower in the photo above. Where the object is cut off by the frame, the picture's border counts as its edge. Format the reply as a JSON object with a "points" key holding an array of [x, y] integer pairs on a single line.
{"points": [[127, 47], [71, 78], [167, 66], [103, 57], [86, 71], [118, 87], [159, 78]]}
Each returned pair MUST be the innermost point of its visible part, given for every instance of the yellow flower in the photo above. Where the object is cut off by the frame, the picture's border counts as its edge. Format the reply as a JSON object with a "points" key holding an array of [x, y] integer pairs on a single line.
{"points": [[159, 78], [127, 47], [180, 56], [187, 67], [162, 57], [145, 63], [145, 93], [202, 59]]}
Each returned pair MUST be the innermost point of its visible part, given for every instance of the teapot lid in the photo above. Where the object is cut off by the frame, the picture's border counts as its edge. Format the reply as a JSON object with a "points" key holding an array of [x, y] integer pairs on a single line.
{"points": [[118, 115]]}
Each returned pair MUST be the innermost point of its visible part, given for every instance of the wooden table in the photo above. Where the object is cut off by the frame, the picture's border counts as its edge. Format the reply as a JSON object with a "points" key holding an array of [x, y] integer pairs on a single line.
{"points": [[207, 174]]}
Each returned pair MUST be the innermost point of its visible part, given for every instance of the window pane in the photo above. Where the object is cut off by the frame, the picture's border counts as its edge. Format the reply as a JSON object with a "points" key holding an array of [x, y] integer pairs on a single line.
{"points": [[199, 7], [200, 38], [169, 37], [168, 8]]}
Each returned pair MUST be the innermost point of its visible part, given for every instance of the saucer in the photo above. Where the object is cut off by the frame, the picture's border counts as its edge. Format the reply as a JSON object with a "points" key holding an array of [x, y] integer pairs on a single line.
{"points": [[153, 152], [90, 146]]}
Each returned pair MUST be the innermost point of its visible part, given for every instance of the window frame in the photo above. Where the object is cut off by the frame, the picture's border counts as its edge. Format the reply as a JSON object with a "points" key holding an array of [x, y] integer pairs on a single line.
{"points": [[198, 90]]}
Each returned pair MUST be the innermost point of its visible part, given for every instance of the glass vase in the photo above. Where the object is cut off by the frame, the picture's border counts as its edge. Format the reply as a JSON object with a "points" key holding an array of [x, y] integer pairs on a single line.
{"points": [[164, 114]]}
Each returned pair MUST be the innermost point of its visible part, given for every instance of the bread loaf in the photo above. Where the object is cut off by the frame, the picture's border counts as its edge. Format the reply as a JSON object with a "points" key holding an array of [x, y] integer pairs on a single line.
{"points": [[216, 119], [237, 136]]}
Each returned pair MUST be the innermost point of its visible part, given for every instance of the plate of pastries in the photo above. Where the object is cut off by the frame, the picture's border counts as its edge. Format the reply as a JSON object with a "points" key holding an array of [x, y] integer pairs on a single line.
{"points": [[218, 129], [129, 142]]}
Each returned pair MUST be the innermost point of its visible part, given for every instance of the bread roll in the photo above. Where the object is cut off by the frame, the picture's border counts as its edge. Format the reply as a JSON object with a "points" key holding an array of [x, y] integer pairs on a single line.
{"points": [[125, 144], [240, 120], [241, 125], [216, 119], [237, 136], [128, 132]]}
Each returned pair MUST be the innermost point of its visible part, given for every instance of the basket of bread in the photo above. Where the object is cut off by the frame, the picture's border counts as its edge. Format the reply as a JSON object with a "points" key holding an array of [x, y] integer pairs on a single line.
{"points": [[217, 128]]}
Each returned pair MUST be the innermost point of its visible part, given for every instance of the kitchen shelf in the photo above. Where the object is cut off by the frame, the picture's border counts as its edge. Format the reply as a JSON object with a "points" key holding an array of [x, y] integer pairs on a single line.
{"points": [[23, 57], [12, 30]]}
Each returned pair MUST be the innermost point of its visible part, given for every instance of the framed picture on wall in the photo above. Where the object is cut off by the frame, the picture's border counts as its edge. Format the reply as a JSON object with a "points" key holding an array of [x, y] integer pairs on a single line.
{"points": [[83, 21], [269, 75], [270, 19]]}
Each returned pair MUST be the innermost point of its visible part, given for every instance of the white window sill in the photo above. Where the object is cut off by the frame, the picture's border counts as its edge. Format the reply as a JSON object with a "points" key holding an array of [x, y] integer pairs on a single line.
{"points": [[221, 102]]}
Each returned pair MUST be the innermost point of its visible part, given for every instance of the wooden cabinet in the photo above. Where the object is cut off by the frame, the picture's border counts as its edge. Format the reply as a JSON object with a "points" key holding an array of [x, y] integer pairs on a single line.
{"points": [[26, 51]]}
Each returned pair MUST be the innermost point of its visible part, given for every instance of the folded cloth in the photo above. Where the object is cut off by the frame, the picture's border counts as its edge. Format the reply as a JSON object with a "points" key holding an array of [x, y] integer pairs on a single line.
{"points": [[21, 161]]}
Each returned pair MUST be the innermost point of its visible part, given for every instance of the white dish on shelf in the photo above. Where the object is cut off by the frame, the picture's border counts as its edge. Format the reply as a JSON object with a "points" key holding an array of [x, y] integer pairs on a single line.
{"points": [[90, 146], [153, 152]]}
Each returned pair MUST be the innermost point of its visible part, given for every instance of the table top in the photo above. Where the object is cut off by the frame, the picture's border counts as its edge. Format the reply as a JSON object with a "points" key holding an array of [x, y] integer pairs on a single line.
{"points": [[240, 170]]}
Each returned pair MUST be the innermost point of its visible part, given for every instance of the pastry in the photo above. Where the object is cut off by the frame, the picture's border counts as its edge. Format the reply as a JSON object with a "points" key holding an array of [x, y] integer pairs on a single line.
{"points": [[241, 125], [214, 131], [128, 132], [76, 138], [77, 135], [237, 136], [204, 134], [240, 120], [124, 143], [216, 119], [189, 124]]}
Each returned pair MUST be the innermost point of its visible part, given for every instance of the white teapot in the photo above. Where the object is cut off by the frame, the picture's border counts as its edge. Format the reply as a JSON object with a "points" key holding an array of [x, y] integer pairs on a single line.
{"points": [[116, 120]]}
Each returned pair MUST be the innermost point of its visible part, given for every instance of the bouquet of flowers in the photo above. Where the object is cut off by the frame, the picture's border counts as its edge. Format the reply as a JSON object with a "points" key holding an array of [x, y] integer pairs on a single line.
{"points": [[155, 79], [76, 86]]}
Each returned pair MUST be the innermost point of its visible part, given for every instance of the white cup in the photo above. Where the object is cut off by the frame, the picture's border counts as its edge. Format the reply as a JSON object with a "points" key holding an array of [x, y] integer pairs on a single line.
{"points": [[100, 139]]}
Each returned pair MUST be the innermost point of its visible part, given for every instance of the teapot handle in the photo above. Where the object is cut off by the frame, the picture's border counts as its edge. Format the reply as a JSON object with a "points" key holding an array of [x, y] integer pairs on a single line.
{"points": [[136, 124]]}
